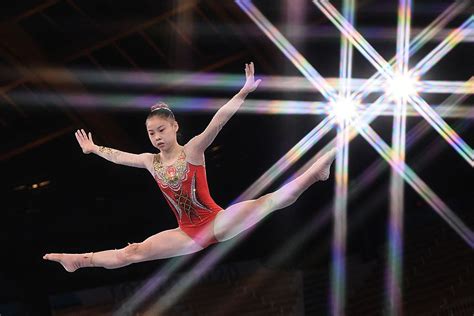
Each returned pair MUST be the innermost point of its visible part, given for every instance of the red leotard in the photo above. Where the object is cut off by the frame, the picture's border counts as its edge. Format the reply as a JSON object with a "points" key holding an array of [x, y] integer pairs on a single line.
{"points": [[185, 188]]}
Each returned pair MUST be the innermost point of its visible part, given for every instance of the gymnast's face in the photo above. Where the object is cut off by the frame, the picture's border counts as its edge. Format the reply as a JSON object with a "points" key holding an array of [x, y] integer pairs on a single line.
{"points": [[162, 132]]}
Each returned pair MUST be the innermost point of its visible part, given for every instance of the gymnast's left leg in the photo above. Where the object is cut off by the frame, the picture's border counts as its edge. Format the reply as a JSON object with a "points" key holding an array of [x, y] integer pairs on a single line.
{"points": [[243, 215]]}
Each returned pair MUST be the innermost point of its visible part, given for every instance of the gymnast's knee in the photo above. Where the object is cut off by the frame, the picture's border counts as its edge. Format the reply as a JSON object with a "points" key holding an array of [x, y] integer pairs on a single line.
{"points": [[280, 199], [283, 198], [132, 253]]}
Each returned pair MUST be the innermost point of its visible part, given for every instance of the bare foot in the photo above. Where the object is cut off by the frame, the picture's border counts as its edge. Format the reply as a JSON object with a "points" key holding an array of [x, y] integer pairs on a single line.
{"points": [[71, 261], [321, 168]]}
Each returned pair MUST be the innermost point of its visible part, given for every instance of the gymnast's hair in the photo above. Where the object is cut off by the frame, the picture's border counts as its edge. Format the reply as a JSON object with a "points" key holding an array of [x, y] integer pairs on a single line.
{"points": [[161, 110]]}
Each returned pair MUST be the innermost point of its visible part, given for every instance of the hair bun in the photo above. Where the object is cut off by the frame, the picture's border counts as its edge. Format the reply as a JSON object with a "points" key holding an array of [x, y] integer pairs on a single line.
{"points": [[160, 106]]}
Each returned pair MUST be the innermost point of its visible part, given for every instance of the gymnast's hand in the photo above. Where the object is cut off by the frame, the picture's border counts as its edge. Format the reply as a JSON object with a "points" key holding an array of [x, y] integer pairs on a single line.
{"points": [[85, 141], [250, 83]]}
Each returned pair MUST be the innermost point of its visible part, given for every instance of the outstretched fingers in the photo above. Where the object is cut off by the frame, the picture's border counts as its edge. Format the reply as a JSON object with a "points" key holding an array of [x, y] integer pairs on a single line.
{"points": [[79, 137], [255, 85], [250, 83], [249, 69], [84, 135], [84, 140]]}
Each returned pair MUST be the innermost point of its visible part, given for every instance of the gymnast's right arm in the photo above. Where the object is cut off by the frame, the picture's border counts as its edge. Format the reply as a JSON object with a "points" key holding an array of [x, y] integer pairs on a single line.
{"points": [[113, 155]]}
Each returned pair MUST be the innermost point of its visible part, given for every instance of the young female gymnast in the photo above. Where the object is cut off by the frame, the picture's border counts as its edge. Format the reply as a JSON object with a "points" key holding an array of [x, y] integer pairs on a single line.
{"points": [[181, 176]]}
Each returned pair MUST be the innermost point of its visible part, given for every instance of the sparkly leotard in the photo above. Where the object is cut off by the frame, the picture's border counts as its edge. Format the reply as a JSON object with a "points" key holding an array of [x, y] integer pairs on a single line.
{"points": [[184, 186]]}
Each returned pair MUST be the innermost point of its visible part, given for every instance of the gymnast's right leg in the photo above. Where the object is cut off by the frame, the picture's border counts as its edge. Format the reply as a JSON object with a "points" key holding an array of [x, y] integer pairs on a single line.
{"points": [[166, 244]]}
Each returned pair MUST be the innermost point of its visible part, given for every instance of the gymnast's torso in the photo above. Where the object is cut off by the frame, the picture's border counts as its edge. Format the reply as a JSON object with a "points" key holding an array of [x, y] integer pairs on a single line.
{"points": [[185, 188]]}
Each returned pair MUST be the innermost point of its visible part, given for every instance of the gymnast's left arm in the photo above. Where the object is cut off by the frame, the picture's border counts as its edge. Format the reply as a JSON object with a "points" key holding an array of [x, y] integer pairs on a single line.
{"points": [[200, 142]]}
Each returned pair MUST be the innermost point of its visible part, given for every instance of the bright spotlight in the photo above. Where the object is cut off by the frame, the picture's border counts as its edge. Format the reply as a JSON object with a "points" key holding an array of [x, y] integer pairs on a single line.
{"points": [[402, 86], [343, 109]]}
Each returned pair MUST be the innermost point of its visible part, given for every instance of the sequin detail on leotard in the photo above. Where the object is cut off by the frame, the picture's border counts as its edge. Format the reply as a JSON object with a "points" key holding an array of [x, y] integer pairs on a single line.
{"points": [[171, 176]]}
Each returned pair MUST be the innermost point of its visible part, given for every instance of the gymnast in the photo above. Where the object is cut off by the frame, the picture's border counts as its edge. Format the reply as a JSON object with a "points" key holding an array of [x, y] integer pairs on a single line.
{"points": [[180, 173]]}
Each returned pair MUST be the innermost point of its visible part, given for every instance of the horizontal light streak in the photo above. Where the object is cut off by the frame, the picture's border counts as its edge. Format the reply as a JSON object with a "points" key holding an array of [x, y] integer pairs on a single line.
{"points": [[214, 81], [210, 105]]}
